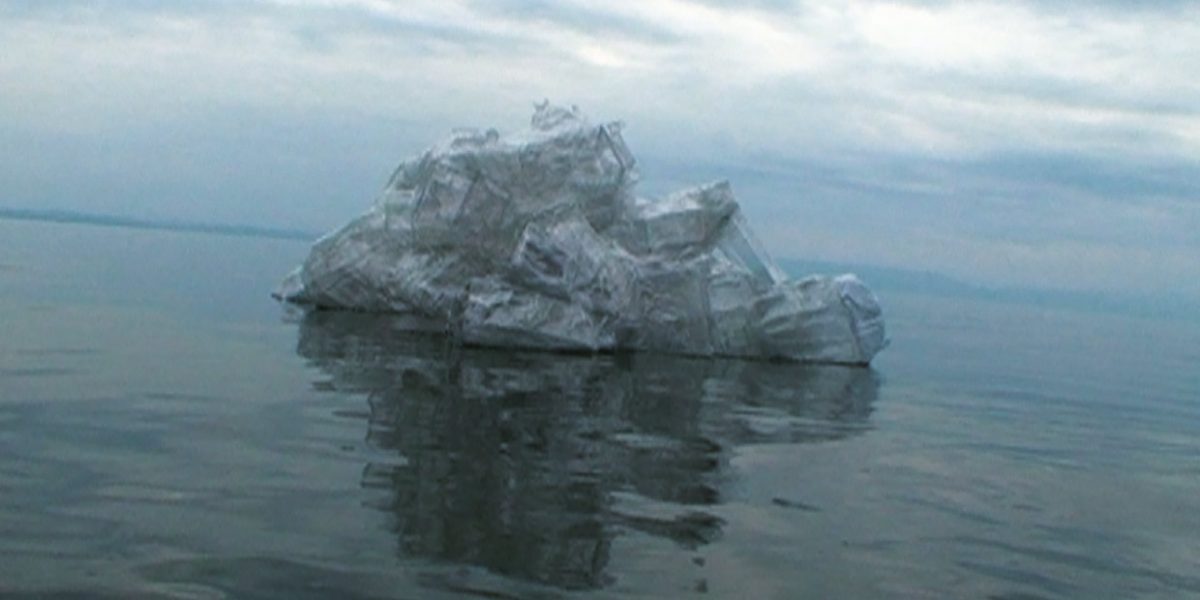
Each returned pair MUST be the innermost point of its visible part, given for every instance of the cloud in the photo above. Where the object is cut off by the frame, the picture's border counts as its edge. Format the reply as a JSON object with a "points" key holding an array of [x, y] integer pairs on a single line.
{"points": [[930, 133]]}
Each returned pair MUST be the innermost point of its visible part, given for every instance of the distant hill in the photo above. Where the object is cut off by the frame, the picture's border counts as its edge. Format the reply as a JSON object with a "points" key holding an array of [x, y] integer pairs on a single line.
{"points": [[67, 216], [891, 279], [878, 277]]}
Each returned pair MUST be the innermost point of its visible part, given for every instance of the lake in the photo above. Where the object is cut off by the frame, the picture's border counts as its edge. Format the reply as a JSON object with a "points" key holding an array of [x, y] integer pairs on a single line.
{"points": [[169, 431]]}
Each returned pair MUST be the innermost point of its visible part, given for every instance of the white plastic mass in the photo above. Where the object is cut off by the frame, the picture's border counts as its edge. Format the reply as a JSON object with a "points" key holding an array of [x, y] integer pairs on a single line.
{"points": [[536, 240]]}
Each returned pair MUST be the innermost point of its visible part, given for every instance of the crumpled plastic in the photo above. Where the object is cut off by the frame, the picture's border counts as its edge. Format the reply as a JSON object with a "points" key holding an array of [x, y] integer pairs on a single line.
{"points": [[537, 240]]}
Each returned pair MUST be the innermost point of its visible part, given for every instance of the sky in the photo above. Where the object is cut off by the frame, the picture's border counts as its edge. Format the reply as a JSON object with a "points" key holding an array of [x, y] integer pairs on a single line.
{"points": [[1044, 144]]}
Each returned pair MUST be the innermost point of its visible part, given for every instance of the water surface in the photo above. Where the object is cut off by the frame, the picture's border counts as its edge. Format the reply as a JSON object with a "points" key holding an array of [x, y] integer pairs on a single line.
{"points": [[168, 431]]}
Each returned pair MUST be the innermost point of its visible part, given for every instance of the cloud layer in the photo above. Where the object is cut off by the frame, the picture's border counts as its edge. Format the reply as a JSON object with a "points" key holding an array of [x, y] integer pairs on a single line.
{"points": [[1048, 144]]}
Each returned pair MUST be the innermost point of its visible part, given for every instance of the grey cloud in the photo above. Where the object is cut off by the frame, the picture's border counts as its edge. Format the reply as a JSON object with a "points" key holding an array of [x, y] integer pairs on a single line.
{"points": [[324, 28], [764, 5], [594, 23], [1061, 89], [1059, 7], [112, 8], [318, 27], [1118, 179], [1028, 197], [244, 165]]}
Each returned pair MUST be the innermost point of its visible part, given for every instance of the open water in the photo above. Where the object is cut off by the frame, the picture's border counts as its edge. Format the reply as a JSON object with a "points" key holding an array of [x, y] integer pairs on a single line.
{"points": [[168, 431]]}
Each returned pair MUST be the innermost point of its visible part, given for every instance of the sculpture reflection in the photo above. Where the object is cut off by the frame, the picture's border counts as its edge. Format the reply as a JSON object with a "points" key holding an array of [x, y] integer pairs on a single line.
{"points": [[514, 461]]}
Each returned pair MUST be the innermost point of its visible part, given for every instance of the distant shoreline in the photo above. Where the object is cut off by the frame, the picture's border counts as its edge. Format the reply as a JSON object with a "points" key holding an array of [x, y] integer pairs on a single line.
{"points": [[881, 279], [104, 220]]}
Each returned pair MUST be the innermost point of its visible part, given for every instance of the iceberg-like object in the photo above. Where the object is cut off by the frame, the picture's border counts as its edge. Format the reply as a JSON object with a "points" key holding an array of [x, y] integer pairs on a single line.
{"points": [[536, 240]]}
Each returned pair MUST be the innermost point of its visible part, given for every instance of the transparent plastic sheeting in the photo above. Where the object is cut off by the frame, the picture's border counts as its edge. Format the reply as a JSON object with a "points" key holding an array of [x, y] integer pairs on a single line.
{"points": [[537, 240]]}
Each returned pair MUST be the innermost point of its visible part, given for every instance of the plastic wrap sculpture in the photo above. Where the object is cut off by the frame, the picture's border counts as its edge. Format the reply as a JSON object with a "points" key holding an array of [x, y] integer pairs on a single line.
{"points": [[537, 240]]}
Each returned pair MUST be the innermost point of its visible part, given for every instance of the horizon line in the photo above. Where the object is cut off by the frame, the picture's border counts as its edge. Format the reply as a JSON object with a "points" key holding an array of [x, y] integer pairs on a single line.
{"points": [[882, 277], [57, 215]]}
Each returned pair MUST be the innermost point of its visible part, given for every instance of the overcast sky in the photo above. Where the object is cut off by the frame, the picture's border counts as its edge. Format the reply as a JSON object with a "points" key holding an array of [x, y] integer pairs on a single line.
{"points": [[1048, 144]]}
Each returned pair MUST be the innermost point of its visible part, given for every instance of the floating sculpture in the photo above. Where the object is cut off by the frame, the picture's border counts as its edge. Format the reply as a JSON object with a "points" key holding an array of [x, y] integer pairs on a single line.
{"points": [[536, 240]]}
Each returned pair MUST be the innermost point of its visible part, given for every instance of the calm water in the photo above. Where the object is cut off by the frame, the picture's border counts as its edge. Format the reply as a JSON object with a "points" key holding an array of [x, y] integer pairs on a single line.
{"points": [[167, 431]]}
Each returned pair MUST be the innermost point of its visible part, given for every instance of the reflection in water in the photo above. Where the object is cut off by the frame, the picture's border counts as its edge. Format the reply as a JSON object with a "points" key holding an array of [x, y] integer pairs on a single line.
{"points": [[529, 464]]}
